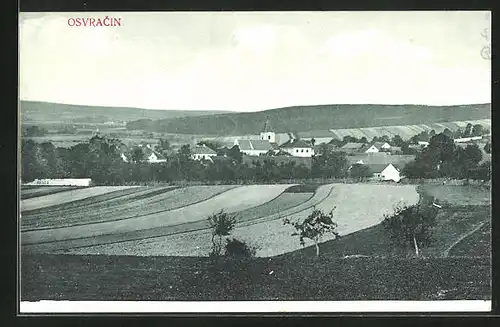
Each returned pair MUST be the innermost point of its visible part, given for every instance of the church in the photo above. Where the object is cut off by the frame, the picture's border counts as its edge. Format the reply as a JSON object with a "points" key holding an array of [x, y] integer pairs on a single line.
{"points": [[268, 140]]}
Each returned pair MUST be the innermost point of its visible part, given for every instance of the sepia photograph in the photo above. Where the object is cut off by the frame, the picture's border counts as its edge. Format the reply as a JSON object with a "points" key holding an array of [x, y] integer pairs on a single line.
{"points": [[300, 161]]}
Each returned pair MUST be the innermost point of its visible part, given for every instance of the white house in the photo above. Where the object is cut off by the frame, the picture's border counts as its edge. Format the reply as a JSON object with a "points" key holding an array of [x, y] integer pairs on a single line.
{"points": [[203, 152], [298, 148], [467, 139], [378, 147], [149, 154]]}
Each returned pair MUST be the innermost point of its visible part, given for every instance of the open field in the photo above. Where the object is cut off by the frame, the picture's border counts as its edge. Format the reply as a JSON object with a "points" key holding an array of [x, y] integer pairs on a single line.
{"points": [[68, 196], [128, 278], [459, 194], [33, 192], [477, 244], [267, 232], [451, 224], [140, 203], [159, 263], [234, 200]]}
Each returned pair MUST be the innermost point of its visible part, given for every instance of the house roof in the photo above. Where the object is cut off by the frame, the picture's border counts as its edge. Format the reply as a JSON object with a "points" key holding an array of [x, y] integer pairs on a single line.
{"points": [[148, 151], [316, 134], [377, 168], [267, 127], [294, 143], [352, 145], [379, 144], [381, 159], [257, 145], [202, 150], [261, 145]]}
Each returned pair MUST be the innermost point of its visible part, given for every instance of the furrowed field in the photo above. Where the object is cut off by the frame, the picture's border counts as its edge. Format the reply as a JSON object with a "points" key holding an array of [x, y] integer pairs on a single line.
{"points": [[68, 230]]}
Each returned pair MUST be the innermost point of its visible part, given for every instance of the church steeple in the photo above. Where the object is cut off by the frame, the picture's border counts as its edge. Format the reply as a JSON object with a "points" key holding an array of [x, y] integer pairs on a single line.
{"points": [[267, 132], [267, 127]]}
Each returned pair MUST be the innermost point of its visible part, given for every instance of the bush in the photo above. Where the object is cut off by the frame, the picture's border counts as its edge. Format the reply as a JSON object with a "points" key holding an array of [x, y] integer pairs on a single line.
{"points": [[239, 249]]}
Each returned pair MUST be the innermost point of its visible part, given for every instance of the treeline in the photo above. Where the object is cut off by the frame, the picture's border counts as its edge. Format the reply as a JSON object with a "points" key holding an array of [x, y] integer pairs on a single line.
{"points": [[100, 159], [443, 158]]}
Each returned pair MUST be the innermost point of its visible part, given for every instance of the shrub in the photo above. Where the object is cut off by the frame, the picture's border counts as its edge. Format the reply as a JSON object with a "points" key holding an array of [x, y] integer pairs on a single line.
{"points": [[239, 249], [221, 224]]}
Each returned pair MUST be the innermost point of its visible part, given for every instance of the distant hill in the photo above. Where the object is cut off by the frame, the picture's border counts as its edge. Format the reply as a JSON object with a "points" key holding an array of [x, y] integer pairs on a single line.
{"points": [[310, 118], [69, 113]]}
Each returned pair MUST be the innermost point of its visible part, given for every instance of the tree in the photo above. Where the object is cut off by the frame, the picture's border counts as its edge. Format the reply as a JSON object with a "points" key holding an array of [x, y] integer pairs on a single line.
{"points": [[397, 141], [314, 227], [411, 226], [313, 142], [477, 130], [487, 147], [221, 224], [360, 171], [163, 146], [447, 132], [137, 155], [35, 131], [239, 249], [468, 130]]}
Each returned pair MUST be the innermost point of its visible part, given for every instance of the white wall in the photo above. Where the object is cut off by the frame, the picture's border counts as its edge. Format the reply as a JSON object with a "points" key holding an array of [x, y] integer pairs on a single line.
{"points": [[62, 182], [390, 173], [300, 152]]}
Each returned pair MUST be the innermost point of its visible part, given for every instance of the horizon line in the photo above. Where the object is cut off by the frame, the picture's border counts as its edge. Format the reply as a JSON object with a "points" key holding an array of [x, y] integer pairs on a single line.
{"points": [[262, 110]]}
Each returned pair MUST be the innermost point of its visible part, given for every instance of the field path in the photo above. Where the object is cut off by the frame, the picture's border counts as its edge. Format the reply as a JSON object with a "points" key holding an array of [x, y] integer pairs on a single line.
{"points": [[462, 237], [234, 200]]}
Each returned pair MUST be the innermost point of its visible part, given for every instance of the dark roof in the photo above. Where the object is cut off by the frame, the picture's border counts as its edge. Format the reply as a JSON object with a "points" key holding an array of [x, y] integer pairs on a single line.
{"points": [[381, 159], [202, 150], [352, 145], [377, 168], [294, 143], [267, 127], [261, 145], [258, 145], [318, 134]]}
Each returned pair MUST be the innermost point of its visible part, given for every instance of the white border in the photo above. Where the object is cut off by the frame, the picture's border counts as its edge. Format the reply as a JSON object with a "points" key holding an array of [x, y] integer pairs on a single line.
{"points": [[253, 306]]}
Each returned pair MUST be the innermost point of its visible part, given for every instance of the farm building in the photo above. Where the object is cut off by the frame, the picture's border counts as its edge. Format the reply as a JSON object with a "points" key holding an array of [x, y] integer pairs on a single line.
{"points": [[320, 136], [62, 182], [467, 139], [251, 160], [203, 152], [386, 172], [149, 154], [376, 147], [255, 147], [383, 166], [267, 141], [352, 147], [298, 148]]}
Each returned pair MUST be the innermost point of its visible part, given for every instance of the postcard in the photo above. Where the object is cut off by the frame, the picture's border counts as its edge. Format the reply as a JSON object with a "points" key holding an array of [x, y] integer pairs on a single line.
{"points": [[238, 161]]}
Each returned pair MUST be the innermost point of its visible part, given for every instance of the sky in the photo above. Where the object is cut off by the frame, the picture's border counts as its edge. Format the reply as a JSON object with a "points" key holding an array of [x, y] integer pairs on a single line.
{"points": [[250, 61]]}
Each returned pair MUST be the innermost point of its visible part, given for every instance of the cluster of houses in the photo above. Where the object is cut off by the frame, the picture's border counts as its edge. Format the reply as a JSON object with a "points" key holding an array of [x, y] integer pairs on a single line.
{"points": [[384, 161]]}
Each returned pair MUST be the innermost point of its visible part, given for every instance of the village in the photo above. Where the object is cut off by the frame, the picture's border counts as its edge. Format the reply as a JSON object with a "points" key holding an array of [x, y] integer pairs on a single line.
{"points": [[381, 158]]}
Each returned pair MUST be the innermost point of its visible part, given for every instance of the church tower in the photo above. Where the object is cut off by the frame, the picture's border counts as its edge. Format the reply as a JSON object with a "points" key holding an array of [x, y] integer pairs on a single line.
{"points": [[267, 133]]}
